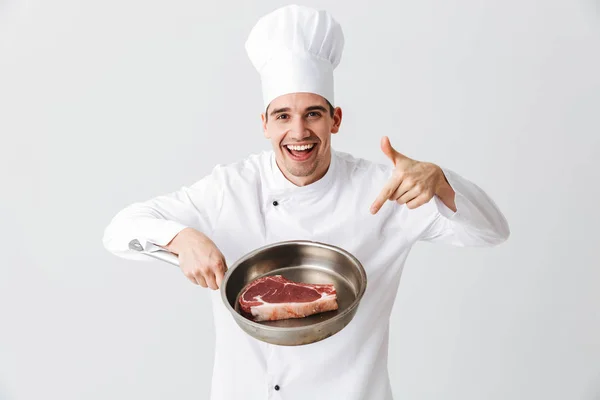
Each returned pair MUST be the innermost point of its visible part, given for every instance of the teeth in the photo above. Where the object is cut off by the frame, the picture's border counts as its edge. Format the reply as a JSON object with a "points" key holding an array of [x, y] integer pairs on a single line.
{"points": [[300, 148]]}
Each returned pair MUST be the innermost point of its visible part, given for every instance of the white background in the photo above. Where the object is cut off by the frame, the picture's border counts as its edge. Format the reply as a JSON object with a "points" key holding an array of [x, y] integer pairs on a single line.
{"points": [[103, 103]]}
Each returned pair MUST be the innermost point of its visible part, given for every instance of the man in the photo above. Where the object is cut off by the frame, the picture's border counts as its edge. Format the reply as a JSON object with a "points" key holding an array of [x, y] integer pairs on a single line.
{"points": [[303, 189]]}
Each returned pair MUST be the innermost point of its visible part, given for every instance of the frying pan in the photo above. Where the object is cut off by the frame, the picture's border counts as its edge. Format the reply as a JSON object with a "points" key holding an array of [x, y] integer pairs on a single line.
{"points": [[300, 261]]}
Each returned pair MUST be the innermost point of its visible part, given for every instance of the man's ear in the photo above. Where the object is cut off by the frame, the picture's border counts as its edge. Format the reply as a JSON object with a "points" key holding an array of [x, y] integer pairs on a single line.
{"points": [[264, 126], [337, 120]]}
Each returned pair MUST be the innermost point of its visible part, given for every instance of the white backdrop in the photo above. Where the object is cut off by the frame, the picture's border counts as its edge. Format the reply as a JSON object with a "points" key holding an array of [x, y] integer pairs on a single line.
{"points": [[103, 103]]}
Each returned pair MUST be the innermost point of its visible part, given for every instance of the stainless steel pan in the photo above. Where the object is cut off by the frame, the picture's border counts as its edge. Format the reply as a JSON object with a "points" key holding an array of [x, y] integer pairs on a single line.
{"points": [[301, 261]]}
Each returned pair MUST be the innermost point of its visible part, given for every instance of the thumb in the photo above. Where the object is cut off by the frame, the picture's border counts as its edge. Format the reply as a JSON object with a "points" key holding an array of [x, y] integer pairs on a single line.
{"points": [[388, 150]]}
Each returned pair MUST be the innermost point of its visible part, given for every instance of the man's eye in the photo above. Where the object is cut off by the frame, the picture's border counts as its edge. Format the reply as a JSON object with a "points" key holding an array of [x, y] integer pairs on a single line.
{"points": [[314, 114], [282, 116]]}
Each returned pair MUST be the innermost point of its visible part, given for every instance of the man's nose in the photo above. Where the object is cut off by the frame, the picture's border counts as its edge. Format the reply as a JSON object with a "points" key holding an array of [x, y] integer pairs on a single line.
{"points": [[298, 129]]}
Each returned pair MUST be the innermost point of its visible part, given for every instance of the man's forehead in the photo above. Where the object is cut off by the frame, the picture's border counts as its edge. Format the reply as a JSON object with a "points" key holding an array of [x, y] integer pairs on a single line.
{"points": [[297, 101]]}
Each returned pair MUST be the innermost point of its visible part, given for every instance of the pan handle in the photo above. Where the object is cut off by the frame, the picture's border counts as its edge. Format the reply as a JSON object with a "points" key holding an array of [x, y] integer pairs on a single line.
{"points": [[162, 255]]}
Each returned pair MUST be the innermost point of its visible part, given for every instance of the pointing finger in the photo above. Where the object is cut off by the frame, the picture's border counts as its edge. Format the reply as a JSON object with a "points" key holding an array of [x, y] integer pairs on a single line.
{"points": [[385, 194]]}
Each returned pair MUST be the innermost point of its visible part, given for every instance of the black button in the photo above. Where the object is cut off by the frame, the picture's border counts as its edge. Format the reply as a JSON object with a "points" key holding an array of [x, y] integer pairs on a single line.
{"points": [[276, 387], [275, 203]]}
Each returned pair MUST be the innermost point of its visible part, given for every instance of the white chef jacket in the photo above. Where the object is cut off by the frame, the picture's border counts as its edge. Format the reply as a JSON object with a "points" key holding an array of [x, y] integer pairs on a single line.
{"points": [[249, 204]]}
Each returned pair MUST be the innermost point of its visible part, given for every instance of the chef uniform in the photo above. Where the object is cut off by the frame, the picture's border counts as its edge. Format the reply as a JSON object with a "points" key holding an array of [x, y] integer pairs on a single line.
{"points": [[249, 204]]}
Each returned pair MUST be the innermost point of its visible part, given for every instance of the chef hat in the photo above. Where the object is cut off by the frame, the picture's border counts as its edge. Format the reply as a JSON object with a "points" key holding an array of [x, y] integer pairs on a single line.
{"points": [[295, 49]]}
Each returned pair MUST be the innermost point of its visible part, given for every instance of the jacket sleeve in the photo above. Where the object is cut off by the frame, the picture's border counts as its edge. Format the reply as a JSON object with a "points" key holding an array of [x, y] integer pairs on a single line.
{"points": [[155, 222], [477, 221]]}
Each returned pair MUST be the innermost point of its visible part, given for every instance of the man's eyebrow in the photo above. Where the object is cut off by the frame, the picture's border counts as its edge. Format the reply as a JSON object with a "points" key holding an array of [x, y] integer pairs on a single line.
{"points": [[287, 109], [316, 108], [279, 110]]}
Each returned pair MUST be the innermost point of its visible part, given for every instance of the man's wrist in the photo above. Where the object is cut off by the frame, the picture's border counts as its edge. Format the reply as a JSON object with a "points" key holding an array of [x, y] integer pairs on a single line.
{"points": [[172, 246], [445, 191]]}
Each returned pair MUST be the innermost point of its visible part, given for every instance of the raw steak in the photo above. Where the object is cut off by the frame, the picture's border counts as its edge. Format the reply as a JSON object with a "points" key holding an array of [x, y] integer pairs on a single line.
{"points": [[275, 297]]}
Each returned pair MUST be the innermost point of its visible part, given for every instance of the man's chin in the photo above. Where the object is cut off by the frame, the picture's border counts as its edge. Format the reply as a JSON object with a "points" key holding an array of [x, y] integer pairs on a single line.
{"points": [[300, 171]]}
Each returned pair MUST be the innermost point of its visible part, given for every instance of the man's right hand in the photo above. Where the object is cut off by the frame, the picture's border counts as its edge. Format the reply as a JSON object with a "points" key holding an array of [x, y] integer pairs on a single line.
{"points": [[199, 258]]}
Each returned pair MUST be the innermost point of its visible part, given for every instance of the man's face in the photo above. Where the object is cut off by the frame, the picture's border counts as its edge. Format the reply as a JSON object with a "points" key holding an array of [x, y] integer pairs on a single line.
{"points": [[299, 126]]}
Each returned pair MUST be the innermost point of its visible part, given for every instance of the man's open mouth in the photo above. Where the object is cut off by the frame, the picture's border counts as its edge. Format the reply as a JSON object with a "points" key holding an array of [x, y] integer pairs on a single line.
{"points": [[300, 152]]}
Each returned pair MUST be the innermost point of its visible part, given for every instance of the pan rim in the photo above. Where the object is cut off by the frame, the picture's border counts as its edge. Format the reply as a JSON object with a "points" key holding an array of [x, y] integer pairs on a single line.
{"points": [[350, 309]]}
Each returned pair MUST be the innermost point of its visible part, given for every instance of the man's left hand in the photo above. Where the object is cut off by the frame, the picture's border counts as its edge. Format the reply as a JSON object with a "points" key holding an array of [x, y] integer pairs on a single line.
{"points": [[413, 182]]}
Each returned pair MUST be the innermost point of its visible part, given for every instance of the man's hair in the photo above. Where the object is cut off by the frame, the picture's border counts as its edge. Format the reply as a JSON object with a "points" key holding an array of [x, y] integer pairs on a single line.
{"points": [[331, 110]]}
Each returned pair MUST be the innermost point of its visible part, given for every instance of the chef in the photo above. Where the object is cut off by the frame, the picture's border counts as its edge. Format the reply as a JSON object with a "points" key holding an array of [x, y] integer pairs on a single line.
{"points": [[303, 189]]}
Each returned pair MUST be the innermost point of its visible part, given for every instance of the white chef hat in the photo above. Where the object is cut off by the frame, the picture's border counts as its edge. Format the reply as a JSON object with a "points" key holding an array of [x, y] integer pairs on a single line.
{"points": [[295, 49]]}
